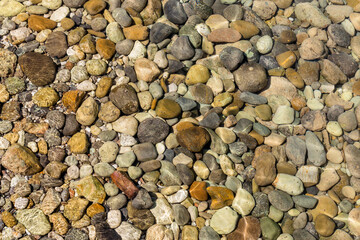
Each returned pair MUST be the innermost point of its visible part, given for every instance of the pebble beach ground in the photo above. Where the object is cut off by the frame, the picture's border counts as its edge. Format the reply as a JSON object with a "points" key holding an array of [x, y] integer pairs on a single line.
{"points": [[179, 119]]}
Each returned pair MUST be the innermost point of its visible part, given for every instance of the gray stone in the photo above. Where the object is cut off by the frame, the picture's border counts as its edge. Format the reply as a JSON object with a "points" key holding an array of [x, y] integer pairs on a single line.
{"points": [[296, 150], [122, 17], [352, 157], [159, 32], [145, 151], [315, 149], [305, 201], [181, 214], [244, 125], [252, 98], [175, 12], [168, 174], [186, 104], [338, 34], [142, 200], [231, 57], [116, 202], [153, 130], [208, 233], [211, 121], [281, 200], [182, 48]]}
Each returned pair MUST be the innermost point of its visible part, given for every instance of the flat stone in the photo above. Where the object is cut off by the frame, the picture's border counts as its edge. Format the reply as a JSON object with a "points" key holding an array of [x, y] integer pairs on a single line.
{"points": [[39, 68], [352, 157], [316, 151], [309, 13], [296, 150], [34, 220]]}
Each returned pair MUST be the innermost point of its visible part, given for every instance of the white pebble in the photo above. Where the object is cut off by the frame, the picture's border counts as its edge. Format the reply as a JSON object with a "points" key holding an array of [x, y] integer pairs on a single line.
{"points": [[160, 148], [21, 203], [114, 218], [33, 146], [86, 86], [4, 143]]}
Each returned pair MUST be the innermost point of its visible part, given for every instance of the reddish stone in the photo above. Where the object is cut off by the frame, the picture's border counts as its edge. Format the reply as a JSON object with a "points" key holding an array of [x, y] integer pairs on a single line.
{"points": [[198, 191], [248, 228], [72, 99], [124, 184]]}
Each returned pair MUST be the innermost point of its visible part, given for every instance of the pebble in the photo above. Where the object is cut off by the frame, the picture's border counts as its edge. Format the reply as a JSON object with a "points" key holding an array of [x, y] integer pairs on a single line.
{"points": [[245, 75], [224, 220], [177, 117], [289, 184]]}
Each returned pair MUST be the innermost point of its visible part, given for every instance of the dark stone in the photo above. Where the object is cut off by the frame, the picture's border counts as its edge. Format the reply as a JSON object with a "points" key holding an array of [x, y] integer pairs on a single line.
{"points": [[130, 72], [217, 176], [202, 93], [152, 130], [103, 230], [56, 44], [174, 11], [142, 200], [244, 125], [56, 119], [141, 218], [37, 111], [125, 98], [334, 112], [252, 98], [174, 66], [210, 161], [268, 62], [237, 148], [159, 32], [249, 141], [261, 208], [231, 57], [211, 121], [345, 62], [169, 154], [71, 125], [182, 48], [338, 34], [39, 68], [186, 175], [181, 214]]}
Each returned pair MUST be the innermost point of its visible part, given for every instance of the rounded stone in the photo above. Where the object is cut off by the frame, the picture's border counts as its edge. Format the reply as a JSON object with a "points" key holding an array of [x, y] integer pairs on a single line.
{"points": [[251, 77]]}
